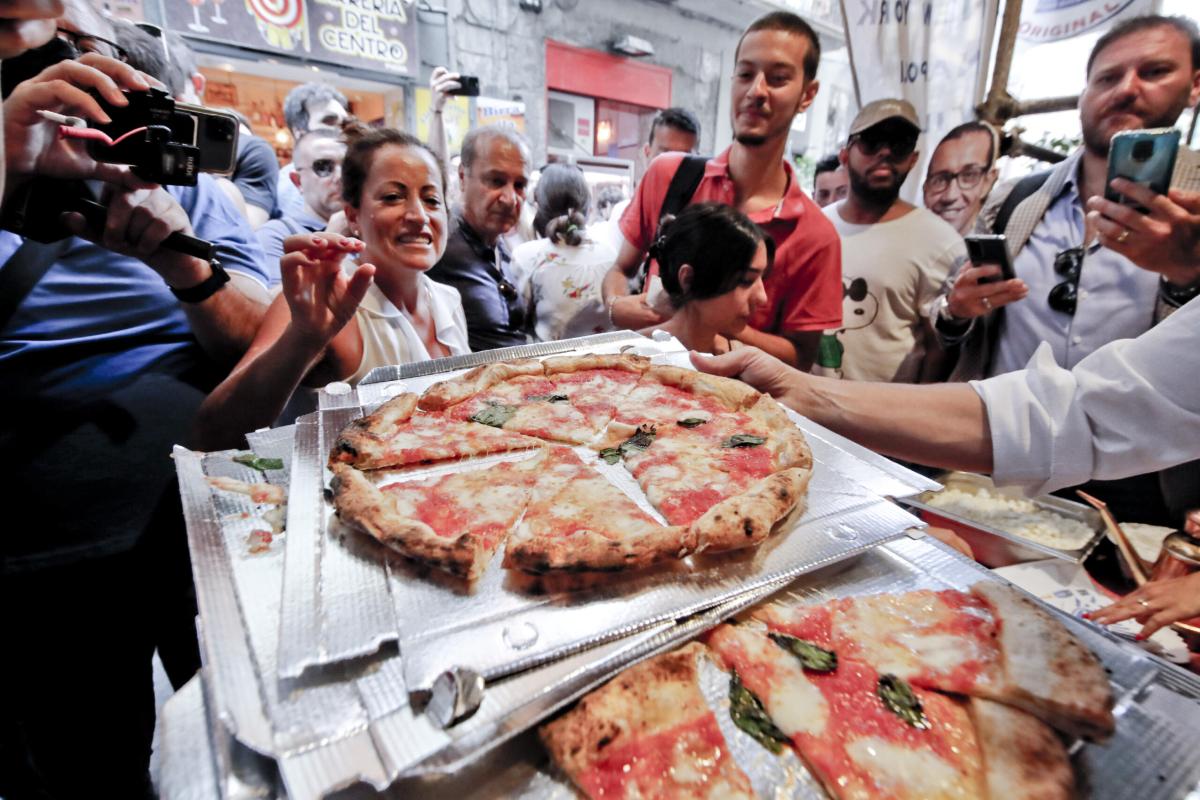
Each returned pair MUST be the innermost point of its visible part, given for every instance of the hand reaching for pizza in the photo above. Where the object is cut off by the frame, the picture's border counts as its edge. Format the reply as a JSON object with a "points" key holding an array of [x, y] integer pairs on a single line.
{"points": [[1156, 605], [321, 295], [764, 372]]}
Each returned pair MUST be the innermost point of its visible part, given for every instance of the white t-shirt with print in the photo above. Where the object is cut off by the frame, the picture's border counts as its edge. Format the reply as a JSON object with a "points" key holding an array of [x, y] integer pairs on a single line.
{"points": [[562, 284], [891, 273]]}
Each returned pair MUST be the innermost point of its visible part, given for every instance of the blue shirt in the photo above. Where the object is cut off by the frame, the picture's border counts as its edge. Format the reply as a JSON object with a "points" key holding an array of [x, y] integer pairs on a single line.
{"points": [[272, 233], [98, 319], [1115, 300]]}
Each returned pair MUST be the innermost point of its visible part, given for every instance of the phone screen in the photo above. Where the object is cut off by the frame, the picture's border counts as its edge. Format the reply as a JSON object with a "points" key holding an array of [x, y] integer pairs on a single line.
{"points": [[1145, 157]]}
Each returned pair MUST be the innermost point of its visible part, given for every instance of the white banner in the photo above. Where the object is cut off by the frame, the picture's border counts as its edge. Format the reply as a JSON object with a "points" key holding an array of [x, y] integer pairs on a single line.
{"points": [[928, 52], [1053, 20]]}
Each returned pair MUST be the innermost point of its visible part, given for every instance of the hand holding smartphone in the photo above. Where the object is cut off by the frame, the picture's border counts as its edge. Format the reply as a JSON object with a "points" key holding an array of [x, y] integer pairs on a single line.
{"points": [[990, 249], [1146, 157], [468, 86]]}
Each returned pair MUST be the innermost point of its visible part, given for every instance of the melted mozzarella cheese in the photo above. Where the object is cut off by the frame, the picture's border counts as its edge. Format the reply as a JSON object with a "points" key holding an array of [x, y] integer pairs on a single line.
{"points": [[797, 706], [906, 772]]}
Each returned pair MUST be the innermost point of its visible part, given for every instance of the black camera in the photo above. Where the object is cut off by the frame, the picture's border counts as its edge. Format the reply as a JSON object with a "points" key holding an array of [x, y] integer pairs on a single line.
{"points": [[167, 142]]}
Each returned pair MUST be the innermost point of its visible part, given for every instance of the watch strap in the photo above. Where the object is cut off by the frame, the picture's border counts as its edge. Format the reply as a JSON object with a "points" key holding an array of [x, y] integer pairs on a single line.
{"points": [[206, 288]]}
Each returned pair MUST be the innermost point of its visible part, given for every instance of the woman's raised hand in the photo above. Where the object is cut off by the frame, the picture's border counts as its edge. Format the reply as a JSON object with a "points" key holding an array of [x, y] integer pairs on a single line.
{"points": [[320, 292]]}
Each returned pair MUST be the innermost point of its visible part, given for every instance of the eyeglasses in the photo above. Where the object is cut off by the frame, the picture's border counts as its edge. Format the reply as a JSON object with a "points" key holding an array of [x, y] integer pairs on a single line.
{"points": [[968, 178], [872, 140], [85, 43], [1068, 263], [322, 167]]}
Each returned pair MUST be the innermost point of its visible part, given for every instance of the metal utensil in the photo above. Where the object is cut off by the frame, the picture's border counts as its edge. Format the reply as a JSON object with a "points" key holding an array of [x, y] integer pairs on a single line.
{"points": [[1127, 551]]}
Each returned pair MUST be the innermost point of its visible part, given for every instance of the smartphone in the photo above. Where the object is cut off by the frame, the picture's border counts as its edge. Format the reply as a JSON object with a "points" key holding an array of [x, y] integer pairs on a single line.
{"points": [[205, 138], [990, 249], [1146, 157], [468, 86]]}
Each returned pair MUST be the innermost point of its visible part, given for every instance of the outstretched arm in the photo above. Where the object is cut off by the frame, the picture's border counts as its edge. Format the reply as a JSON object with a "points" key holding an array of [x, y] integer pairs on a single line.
{"points": [[304, 326], [939, 425]]}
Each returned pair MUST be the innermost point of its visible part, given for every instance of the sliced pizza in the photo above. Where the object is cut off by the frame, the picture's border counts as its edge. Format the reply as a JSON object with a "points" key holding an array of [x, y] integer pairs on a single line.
{"points": [[647, 733], [453, 522], [862, 733], [990, 643], [397, 434], [594, 384], [1023, 758], [580, 522]]}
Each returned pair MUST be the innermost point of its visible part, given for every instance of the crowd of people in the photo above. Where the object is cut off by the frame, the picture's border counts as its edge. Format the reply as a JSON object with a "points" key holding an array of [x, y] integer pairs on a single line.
{"points": [[114, 345]]}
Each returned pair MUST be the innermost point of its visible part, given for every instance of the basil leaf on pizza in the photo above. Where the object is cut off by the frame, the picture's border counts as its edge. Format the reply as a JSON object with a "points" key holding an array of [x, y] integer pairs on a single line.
{"points": [[743, 440], [813, 657], [898, 697], [494, 414], [257, 462], [641, 439], [548, 398], [690, 422], [747, 712]]}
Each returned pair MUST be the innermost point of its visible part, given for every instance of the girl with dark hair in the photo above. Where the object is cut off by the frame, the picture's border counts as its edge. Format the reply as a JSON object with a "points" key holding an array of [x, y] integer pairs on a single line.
{"points": [[351, 305], [711, 260], [560, 273]]}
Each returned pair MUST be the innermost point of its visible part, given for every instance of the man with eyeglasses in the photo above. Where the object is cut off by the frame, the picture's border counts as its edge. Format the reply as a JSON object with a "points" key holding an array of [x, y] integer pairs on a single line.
{"points": [[318, 175], [306, 107], [494, 173], [1075, 288], [895, 255], [961, 173]]}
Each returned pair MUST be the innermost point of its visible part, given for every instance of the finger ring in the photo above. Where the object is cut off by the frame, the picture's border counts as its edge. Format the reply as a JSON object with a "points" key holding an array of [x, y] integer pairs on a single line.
{"points": [[987, 303], [1143, 602], [1123, 236]]}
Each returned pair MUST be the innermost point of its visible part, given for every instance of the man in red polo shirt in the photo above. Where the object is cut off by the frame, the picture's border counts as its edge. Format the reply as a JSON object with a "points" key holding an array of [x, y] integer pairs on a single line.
{"points": [[774, 80]]}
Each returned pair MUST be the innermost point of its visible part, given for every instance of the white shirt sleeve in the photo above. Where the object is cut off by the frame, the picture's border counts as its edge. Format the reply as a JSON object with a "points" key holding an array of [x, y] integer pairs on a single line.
{"points": [[1129, 408]]}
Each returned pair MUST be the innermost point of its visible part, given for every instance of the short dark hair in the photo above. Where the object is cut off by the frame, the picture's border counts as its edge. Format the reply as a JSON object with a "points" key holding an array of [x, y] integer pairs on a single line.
{"points": [[717, 240], [362, 141], [476, 137], [829, 163], [563, 202], [974, 126], [1144, 23], [295, 105], [678, 118], [145, 52], [789, 23]]}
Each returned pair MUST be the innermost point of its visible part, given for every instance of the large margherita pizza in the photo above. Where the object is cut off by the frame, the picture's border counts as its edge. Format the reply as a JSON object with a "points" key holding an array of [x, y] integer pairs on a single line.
{"points": [[912, 696], [720, 462]]}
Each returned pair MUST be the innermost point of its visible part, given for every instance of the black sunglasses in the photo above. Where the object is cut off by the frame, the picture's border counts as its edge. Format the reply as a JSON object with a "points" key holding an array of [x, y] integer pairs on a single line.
{"points": [[84, 43], [1064, 296], [872, 140]]}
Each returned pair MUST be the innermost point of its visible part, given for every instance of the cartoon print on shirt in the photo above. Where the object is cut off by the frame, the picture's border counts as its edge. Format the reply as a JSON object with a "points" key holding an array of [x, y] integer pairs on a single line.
{"points": [[859, 310]]}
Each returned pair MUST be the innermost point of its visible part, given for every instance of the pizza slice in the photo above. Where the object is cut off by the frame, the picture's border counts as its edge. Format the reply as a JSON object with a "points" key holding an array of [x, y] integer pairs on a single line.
{"points": [[647, 733], [397, 434], [594, 384], [453, 522], [1023, 758], [991, 643], [863, 734], [578, 521]]}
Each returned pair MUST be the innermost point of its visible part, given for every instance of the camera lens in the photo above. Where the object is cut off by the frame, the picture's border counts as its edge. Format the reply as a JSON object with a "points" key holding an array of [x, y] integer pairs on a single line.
{"points": [[221, 129], [1142, 150]]}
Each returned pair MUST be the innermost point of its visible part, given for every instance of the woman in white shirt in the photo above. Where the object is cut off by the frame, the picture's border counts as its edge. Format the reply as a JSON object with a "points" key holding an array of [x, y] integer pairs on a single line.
{"points": [[560, 273], [337, 320]]}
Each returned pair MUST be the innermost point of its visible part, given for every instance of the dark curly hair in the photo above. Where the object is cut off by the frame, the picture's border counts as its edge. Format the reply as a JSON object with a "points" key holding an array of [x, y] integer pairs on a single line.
{"points": [[719, 243], [361, 143]]}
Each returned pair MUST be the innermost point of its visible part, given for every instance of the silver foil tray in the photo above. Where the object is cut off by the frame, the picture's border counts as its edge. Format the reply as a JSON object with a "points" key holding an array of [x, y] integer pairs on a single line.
{"points": [[994, 547], [345, 596]]}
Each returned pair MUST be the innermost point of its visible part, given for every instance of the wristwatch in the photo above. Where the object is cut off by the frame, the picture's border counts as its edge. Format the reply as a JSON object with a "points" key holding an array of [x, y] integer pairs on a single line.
{"points": [[946, 324], [1176, 296], [206, 288]]}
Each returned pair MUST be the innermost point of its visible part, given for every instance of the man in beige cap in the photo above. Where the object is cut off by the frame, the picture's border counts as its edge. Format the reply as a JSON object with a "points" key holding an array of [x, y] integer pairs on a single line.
{"points": [[895, 256]]}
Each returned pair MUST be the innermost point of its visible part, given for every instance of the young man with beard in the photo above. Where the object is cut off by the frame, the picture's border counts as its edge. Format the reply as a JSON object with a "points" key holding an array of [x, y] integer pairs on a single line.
{"points": [[774, 80], [895, 256], [1076, 286]]}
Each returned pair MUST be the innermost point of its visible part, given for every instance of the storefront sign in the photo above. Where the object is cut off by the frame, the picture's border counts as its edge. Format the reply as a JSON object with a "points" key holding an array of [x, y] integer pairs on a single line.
{"points": [[1054, 20], [379, 35], [492, 111], [929, 53]]}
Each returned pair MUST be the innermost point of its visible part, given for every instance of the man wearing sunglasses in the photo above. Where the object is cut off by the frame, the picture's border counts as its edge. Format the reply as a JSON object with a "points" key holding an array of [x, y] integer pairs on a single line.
{"points": [[1075, 287], [901, 254], [318, 175], [961, 173]]}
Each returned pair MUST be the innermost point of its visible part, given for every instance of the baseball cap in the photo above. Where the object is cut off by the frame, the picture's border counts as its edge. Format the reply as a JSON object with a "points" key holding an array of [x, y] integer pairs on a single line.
{"points": [[879, 111]]}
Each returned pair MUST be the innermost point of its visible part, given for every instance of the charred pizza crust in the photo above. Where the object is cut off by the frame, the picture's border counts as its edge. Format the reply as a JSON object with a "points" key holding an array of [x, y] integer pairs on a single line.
{"points": [[1023, 758], [745, 519], [556, 365], [1047, 671], [451, 392]]}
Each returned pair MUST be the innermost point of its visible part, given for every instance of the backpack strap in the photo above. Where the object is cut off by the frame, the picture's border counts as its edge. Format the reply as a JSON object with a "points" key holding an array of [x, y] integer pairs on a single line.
{"points": [[1024, 188], [23, 270], [683, 185]]}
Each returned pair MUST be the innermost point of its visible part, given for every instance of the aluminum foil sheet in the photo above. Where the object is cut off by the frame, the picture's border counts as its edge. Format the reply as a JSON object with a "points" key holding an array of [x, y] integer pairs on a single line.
{"points": [[365, 596]]}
